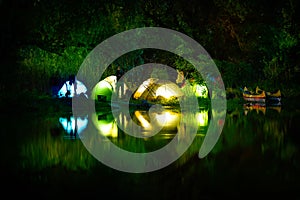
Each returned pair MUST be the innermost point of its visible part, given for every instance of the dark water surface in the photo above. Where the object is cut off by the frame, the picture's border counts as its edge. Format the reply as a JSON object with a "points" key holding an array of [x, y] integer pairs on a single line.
{"points": [[258, 153]]}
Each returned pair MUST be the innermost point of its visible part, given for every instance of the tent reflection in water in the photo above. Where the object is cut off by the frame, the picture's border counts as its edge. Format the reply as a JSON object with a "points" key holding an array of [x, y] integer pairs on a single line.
{"points": [[106, 124], [153, 88], [73, 125]]}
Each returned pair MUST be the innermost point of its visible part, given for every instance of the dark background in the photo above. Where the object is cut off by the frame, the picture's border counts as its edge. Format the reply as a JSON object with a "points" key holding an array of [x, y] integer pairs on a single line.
{"points": [[252, 42]]}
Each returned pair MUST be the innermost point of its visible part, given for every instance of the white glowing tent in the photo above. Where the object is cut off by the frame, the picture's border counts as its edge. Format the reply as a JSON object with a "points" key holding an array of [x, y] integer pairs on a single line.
{"points": [[67, 86]]}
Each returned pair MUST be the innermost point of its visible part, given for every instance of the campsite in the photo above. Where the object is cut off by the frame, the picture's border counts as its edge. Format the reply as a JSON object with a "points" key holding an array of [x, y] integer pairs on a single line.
{"points": [[135, 99]]}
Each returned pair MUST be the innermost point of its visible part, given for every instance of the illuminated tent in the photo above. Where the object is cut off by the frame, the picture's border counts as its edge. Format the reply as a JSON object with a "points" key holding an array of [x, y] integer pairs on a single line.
{"points": [[153, 88], [200, 90], [104, 89], [68, 86]]}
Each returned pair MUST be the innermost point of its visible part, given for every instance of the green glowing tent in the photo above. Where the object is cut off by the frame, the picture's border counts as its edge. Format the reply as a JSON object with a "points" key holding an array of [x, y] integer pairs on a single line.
{"points": [[104, 89]]}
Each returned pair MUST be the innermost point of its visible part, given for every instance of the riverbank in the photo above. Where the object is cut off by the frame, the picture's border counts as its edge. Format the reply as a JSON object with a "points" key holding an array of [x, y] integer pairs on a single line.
{"points": [[37, 103]]}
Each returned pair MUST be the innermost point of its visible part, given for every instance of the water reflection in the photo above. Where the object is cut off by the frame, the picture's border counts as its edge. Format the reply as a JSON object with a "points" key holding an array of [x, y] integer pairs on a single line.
{"points": [[105, 124], [262, 129], [45, 146], [255, 148], [73, 126], [202, 118], [106, 134], [105, 137], [168, 120], [261, 107]]}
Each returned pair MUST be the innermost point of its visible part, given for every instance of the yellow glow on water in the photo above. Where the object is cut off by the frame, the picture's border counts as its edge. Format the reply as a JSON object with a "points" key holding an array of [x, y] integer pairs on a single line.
{"points": [[142, 120], [108, 129], [167, 118], [105, 127]]}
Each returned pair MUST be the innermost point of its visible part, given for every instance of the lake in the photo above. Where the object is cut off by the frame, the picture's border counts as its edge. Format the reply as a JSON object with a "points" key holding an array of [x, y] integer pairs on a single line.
{"points": [[43, 155]]}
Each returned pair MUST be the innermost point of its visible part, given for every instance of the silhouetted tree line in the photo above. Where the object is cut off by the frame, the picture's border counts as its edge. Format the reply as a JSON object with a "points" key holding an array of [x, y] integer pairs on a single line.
{"points": [[252, 42]]}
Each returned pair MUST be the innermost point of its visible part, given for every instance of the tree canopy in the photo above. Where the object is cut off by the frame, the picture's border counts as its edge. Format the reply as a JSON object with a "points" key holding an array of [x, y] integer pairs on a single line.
{"points": [[252, 42]]}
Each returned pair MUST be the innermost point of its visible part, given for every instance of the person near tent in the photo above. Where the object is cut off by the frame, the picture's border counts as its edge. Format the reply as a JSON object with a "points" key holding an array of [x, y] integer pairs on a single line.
{"points": [[120, 85], [181, 78], [119, 73], [69, 86], [55, 83]]}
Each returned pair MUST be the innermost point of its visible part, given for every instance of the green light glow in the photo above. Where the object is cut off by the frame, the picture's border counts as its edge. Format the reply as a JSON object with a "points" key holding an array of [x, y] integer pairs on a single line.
{"points": [[200, 90], [104, 88], [106, 127]]}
